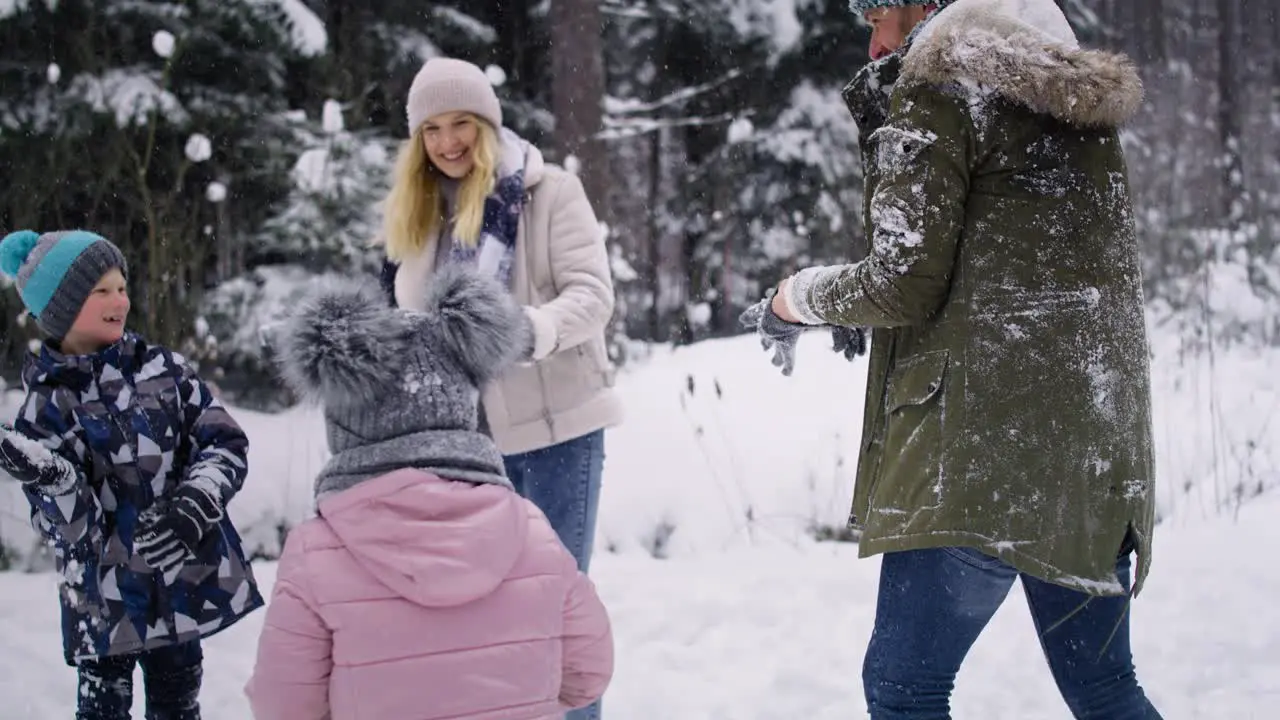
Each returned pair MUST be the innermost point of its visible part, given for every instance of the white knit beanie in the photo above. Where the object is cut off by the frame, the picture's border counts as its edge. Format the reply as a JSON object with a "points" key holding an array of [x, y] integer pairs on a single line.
{"points": [[448, 85]]}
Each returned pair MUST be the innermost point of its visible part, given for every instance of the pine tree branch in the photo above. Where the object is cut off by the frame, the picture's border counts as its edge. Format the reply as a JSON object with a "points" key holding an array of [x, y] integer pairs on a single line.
{"points": [[621, 106]]}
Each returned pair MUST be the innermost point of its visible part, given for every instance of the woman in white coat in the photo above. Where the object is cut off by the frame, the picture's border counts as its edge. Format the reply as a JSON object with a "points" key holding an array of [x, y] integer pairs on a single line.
{"points": [[468, 190]]}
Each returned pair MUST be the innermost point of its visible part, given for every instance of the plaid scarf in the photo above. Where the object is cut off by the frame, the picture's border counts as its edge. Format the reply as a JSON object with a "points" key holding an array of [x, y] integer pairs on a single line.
{"points": [[494, 250]]}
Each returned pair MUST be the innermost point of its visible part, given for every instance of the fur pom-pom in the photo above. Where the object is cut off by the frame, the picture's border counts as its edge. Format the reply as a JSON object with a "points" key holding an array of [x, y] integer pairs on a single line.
{"points": [[343, 344], [475, 320], [14, 249]]}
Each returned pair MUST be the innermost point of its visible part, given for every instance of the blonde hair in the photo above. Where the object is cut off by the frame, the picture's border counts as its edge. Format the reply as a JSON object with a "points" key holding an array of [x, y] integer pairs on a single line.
{"points": [[414, 210]]}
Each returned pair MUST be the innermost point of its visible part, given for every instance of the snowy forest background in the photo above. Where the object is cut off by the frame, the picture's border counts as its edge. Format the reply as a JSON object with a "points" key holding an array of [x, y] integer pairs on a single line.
{"points": [[237, 149]]}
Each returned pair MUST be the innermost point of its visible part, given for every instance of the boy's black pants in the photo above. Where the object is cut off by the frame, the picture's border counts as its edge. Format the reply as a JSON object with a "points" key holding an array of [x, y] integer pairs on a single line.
{"points": [[170, 677]]}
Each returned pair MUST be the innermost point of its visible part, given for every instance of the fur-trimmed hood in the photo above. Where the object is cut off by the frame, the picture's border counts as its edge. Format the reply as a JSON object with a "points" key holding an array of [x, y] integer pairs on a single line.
{"points": [[1026, 51]]}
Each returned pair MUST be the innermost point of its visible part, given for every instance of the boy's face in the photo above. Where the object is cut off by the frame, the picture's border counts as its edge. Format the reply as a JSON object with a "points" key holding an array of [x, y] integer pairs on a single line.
{"points": [[101, 319]]}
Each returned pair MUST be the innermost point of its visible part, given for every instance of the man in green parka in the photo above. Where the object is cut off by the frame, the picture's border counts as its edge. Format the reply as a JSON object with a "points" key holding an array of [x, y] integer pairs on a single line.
{"points": [[1007, 429]]}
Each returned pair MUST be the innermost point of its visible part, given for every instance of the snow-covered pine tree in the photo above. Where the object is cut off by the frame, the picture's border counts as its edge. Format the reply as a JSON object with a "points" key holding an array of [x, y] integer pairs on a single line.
{"points": [[734, 155], [162, 125], [324, 227], [346, 142]]}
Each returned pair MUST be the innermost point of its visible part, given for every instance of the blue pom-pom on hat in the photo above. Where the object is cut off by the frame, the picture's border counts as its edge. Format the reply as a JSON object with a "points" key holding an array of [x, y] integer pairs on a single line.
{"points": [[14, 250]]}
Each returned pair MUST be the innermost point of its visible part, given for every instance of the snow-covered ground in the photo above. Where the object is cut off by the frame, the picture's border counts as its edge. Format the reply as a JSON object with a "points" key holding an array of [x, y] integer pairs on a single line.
{"points": [[777, 633], [722, 467]]}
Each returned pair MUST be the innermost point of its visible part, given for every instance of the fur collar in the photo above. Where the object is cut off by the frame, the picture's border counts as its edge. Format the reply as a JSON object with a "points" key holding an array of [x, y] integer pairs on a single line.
{"points": [[520, 154], [1025, 51]]}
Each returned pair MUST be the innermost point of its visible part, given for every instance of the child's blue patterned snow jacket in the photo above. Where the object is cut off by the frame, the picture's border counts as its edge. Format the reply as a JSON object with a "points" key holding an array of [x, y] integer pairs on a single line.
{"points": [[136, 421]]}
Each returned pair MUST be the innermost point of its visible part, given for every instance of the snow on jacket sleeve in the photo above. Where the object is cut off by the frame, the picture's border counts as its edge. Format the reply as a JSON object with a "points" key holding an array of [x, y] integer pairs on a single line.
{"points": [[220, 460], [579, 271], [68, 519], [291, 676], [588, 644], [917, 211]]}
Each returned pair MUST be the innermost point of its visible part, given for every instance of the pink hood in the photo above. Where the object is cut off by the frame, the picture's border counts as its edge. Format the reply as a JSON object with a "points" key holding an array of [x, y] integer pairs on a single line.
{"points": [[417, 597], [438, 544]]}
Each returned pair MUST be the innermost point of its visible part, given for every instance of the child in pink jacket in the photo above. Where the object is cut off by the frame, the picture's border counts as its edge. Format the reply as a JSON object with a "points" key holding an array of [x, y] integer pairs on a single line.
{"points": [[426, 587]]}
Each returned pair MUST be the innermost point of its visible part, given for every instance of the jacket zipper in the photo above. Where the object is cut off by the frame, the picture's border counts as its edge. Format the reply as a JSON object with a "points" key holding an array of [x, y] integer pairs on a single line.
{"points": [[884, 432], [528, 268]]}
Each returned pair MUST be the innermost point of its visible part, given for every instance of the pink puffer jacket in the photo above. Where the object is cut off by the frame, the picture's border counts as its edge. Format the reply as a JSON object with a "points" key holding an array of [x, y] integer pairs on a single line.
{"points": [[417, 598]]}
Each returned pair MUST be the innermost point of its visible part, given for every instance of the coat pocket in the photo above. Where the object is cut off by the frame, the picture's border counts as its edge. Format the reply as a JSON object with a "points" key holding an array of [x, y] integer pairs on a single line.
{"points": [[897, 148], [913, 442], [918, 380]]}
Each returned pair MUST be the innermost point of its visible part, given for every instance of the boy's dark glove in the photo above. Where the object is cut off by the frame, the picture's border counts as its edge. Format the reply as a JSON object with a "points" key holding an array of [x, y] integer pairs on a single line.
{"points": [[34, 465], [169, 532], [775, 333], [850, 341]]}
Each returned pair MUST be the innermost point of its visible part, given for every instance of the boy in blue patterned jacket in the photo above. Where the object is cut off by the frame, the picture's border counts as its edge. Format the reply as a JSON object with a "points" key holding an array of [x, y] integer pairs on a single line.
{"points": [[128, 463]]}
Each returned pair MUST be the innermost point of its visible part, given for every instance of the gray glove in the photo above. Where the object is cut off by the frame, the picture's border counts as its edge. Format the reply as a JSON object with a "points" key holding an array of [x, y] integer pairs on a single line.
{"points": [[850, 341], [775, 333]]}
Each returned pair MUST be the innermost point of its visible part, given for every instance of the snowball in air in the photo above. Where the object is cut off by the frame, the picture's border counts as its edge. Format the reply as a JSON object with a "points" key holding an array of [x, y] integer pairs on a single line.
{"points": [[53, 72], [162, 43], [198, 148], [331, 118], [216, 192], [699, 313], [572, 164], [740, 130], [497, 76]]}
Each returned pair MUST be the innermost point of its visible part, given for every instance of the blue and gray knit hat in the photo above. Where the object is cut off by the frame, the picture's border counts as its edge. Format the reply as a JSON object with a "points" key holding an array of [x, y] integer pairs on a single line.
{"points": [[861, 6], [56, 271]]}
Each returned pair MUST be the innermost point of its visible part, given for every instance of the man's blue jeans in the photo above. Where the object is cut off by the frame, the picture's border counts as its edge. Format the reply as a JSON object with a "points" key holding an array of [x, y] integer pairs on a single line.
{"points": [[932, 606], [564, 482]]}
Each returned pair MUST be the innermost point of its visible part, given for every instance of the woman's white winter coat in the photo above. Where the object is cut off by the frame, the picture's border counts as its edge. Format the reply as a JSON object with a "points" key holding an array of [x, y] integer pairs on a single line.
{"points": [[561, 276]]}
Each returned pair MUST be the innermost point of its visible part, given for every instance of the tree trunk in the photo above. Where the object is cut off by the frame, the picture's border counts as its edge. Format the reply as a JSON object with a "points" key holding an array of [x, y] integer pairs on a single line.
{"points": [[577, 92], [653, 256], [1157, 32], [1234, 198]]}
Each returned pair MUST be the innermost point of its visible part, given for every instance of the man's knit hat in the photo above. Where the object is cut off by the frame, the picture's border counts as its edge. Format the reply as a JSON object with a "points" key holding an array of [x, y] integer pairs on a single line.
{"points": [[56, 271], [861, 6], [401, 388], [448, 85]]}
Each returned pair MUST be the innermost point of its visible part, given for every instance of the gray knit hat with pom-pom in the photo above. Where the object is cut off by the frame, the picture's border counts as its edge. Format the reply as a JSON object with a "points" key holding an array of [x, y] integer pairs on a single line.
{"points": [[861, 6], [402, 388]]}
